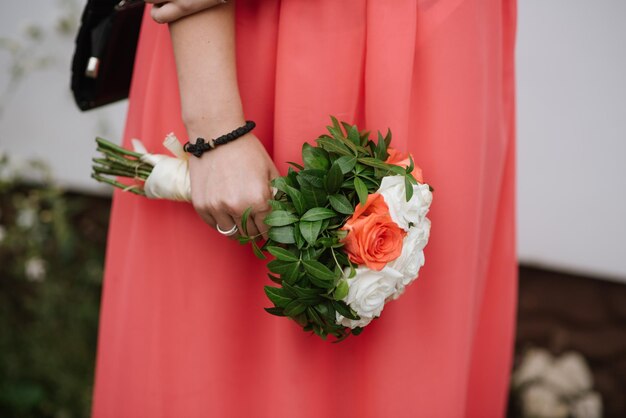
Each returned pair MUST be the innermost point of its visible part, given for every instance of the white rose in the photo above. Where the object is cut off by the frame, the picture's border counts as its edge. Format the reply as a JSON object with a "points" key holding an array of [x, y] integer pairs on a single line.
{"points": [[412, 257], [367, 293], [402, 212]]}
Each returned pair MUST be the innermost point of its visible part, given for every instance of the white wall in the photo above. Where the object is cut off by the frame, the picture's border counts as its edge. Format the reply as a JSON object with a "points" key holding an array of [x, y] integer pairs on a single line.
{"points": [[40, 119], [571, 118], [571, 90]]}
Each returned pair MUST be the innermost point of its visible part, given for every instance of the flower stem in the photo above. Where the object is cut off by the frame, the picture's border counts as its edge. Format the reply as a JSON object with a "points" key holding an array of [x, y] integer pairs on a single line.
{"points": [[116, 148], [133, 189]]}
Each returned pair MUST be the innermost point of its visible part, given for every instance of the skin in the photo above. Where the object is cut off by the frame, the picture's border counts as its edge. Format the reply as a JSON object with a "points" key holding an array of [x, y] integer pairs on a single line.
{"points": [[167, 11], [231, 177]]}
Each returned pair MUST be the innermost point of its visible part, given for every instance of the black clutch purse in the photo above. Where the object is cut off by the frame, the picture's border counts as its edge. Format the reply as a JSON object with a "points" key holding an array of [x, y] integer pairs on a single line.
{"points": [[106, 43]]}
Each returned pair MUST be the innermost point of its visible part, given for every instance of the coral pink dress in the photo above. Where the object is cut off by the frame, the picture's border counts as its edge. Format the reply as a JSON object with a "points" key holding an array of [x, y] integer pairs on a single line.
{"points": [[187, 337]]}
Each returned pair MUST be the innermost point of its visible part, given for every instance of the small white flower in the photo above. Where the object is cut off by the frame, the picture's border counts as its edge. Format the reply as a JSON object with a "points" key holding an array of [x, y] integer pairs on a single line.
{"points": [[26, 218], [412, 257], [402, 212], [534, 364], [35, 269], [569, 375], [587, 406], [368, 291], [540, 401]]}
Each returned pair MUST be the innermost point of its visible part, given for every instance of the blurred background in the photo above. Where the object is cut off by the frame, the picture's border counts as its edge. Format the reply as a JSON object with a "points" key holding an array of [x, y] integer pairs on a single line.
{"points": [[571, 338]]}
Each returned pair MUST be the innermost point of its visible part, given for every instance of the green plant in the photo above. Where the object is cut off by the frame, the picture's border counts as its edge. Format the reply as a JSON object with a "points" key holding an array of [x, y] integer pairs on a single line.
{"points": [[51, 257]]}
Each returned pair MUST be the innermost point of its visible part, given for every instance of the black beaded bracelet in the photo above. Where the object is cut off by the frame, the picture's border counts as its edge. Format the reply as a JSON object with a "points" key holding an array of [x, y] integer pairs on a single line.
{"points": [[201, 146]]}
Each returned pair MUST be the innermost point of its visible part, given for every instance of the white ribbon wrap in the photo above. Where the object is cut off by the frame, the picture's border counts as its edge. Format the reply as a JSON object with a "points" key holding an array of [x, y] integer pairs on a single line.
{"points": [[169, 178]]}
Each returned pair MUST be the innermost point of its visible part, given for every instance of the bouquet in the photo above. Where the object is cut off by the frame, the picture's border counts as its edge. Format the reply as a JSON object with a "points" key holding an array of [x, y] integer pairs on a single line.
{"points": [[347, 229]]}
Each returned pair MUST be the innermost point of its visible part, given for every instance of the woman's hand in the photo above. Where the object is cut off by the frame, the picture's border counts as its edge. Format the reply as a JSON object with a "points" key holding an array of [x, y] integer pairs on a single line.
{"points": [[228, 179], [166, 11]]}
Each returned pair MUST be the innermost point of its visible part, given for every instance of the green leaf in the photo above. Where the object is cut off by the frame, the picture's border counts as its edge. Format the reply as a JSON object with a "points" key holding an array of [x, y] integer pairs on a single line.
{"points": [[334, 178], [244, 239], [291, 176], [301, 319], [314, 197], [364, 137], [388, 138], [341, 291], [292, 273], [335, 131], [257, 251], [309, 253], [354, 148], [306, 292], [312, 177], [280, 205], [274, 278], [317, 214], [314, 157], [296, 165], [298, 237], [310, 230], [282, 234], [319, 271], [344, 309], [375, 162], [332, 145], [341, 204], [346, 163], [244, 220], [408, 187], [296, 197], [277, 296], [280, 183], [336, 124], [353, 135], [278, 266], [328, 242], [356, 331], [280, 218], [313, 316], [282, 254], [381, 148], [294, 308], [275, 311], [361, 190], [326, 310]]}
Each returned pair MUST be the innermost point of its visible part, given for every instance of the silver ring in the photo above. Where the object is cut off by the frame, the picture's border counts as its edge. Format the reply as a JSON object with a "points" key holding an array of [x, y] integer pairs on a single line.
{"points": [[231, 231]]}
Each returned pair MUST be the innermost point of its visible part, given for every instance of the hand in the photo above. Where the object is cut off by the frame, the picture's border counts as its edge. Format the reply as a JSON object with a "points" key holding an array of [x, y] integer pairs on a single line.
{"points": [[166, 11], [228, 179]]}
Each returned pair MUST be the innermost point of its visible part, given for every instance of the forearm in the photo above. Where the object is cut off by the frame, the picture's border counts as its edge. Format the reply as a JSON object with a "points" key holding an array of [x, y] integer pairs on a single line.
{"points": [[204, 50]]}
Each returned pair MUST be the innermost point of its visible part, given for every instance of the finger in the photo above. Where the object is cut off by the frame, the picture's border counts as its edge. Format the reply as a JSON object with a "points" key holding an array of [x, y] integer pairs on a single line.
{"points": [[260, 225], [167, 12], [226, 222], [156, 1], [274, 172], [251, 227], [207, 218]]}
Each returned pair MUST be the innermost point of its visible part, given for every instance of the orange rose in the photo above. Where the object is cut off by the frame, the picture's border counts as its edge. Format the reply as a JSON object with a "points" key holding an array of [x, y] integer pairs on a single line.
{"points": [[373, 239], [402, 159]]}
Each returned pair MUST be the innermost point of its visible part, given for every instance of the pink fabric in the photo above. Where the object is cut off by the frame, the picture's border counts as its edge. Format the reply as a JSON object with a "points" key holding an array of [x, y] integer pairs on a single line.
{"points": [[182, 331]]}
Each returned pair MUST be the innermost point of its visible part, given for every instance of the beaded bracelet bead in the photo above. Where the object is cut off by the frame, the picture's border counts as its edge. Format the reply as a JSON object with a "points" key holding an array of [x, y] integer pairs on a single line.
{"points": [[201, 146]]}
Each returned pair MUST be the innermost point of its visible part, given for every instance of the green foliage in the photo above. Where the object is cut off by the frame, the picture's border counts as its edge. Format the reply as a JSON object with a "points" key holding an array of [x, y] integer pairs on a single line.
{"points": [[51, 257], [313, 202]]}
